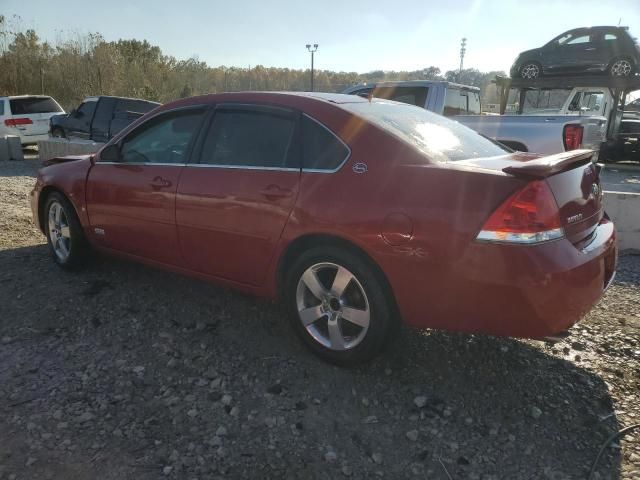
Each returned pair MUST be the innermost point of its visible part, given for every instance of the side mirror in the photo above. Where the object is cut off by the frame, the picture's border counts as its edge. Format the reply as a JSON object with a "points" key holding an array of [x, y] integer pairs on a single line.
{"points": [[110, 153]]}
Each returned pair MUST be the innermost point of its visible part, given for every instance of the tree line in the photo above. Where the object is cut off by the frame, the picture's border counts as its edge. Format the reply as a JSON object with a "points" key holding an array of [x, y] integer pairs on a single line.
{"points": [[79, 65]]}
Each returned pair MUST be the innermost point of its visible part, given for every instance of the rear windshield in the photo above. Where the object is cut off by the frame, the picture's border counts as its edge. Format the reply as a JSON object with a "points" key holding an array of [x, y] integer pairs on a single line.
{"points": [[439, 138], [28, 105]]}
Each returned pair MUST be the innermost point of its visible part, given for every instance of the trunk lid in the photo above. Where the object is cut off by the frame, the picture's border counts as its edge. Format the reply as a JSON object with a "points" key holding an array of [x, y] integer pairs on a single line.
{"points": [[573, 179]]}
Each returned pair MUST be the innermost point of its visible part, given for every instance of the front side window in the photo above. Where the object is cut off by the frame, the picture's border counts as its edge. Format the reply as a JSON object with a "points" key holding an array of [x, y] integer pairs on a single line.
{"points": [[249, 138], [321, 149], [163, 139], [579, 39], [87, 109]]}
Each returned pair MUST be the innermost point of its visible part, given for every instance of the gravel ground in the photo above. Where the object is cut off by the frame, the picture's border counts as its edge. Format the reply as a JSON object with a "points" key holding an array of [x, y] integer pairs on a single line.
{"points": [[122, 371]]}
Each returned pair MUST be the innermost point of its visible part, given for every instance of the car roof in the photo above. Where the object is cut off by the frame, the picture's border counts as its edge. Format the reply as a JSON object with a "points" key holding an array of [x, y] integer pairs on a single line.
{"points": [[284, 99], [121, 98], [13, 97], [415, 83]]}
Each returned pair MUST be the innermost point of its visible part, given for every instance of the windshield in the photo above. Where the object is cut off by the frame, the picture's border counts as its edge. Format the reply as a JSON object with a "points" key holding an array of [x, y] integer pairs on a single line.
{"points": [[439, 138]]}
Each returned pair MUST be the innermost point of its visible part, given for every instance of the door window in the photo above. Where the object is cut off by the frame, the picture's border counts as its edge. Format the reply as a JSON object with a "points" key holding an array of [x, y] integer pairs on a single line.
{"points": [[461, 102], [163, 139], [410, 95], [258, 138], [321, 149], [610, 36], [86, 109], [580, 39]]}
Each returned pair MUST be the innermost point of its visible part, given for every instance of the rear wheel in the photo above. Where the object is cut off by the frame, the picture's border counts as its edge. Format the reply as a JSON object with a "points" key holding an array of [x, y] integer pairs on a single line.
{"points": [[338, 305], [621, 68], [530, 70], [65, 237]]}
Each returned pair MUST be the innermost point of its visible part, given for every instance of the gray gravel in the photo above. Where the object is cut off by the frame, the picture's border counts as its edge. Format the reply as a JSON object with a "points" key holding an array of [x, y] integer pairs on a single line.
{"points": [[121, 371]]}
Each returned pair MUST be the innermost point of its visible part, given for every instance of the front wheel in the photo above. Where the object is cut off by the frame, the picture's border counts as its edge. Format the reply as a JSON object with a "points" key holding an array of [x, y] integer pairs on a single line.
{"points": [[57, 132], [65, 237], [339, 306], [530, 71]]}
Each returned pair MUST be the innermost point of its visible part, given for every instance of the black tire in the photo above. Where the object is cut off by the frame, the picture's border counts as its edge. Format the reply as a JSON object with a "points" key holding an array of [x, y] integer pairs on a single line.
{"points": [[77, 245], [622, 67], [382, 320], [530, 70], [57, 132]]}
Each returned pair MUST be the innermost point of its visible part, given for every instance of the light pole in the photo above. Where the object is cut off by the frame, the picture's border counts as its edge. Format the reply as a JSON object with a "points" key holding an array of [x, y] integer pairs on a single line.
{"points": [[463, 50], [312, 51]]}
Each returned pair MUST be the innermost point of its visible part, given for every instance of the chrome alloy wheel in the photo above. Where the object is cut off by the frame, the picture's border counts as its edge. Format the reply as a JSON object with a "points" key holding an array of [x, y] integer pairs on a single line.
{"points": [[529, 71], [621, 68], [59, 232], [333, 306]]}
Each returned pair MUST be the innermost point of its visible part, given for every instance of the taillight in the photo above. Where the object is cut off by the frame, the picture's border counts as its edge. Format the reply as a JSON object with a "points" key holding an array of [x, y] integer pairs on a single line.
{"points": [[572, 136], [14, 122], [528, 216]]}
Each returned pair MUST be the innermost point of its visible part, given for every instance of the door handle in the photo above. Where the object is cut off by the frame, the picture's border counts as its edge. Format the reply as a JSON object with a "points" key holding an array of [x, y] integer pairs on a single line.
{"points": [[273, 192], [159, 182], [590, 49]]}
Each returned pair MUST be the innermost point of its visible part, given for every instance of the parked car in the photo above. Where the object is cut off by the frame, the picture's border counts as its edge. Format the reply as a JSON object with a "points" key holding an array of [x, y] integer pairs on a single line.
{"points": [[444, 98], [27, 116], [100, 118], [596, 49], [549, 120], [358, 214]]}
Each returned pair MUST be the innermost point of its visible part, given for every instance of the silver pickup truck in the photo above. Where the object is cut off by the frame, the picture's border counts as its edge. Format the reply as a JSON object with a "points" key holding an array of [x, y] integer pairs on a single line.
{"points": [[551, 121]]}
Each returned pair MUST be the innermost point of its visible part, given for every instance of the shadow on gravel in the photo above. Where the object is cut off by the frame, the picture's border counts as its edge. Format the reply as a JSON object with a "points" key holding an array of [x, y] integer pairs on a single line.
{"points": [[490, 408]]}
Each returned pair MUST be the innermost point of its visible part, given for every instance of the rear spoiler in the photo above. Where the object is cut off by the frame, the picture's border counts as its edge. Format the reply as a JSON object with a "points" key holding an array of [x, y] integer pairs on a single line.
{"points": [[550, 165]]}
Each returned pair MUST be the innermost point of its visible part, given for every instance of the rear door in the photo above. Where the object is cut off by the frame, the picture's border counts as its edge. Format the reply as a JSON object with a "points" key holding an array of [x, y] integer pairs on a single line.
{"points": [[233, 204], [131, 198], [31, 114]]}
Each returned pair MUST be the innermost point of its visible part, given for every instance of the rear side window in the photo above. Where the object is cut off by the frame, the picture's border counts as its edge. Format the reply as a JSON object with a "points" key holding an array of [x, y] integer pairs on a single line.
{"points": [[439, 138], [461, 102], [321, 149], [163, 139], [410, 95], [610, 36], [31, 105], [2, 106], [249, 138]]}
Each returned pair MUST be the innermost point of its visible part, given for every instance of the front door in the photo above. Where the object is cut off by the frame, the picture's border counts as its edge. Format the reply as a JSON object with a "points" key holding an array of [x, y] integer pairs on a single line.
{"points": [[131, 198], [233, 204]]}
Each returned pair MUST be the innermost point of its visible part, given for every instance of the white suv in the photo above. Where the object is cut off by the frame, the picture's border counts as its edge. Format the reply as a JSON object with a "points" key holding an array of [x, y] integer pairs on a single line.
{"points": [[27, 116]]}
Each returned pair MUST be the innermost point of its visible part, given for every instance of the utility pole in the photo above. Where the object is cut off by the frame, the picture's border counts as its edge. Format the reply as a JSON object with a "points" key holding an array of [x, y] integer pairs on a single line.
{"points": [[312, 51], [463, 50]]}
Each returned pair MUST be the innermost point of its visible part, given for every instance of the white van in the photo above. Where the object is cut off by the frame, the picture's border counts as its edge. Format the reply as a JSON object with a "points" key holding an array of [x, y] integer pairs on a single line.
{"points": [[27, 116]]}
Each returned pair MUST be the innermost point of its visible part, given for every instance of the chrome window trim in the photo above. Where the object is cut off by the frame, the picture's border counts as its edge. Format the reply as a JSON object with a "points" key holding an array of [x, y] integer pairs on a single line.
{"points": [[242, 167], [155, 164], [326, 170]]}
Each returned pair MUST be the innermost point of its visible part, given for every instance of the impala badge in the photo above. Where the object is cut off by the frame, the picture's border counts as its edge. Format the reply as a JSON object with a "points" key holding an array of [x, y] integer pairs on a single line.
{"points": [[574, 218], [99, 231], [360, 167]]}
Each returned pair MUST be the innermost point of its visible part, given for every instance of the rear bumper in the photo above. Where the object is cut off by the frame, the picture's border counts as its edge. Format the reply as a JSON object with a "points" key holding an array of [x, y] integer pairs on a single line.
{"points": [[511, 290]]}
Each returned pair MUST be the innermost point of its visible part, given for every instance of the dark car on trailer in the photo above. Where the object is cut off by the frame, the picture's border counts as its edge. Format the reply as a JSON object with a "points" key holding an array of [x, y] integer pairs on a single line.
{"points": [[610, 50], [100, 118]]}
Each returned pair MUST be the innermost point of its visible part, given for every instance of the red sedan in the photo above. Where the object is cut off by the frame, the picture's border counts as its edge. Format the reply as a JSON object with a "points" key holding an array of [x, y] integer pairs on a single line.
{"points": [[358, 213]]}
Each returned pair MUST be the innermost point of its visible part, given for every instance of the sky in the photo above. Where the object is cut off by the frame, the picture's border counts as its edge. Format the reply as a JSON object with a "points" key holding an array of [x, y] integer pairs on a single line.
{"points": [[354, 35]]}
